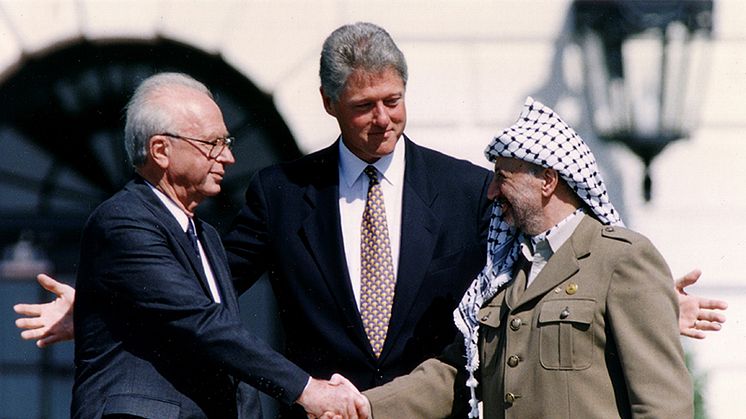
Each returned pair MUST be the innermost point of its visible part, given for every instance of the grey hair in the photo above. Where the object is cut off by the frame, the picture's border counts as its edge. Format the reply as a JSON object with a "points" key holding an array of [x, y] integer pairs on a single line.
{"points": [[362, 46], [147, 117]]}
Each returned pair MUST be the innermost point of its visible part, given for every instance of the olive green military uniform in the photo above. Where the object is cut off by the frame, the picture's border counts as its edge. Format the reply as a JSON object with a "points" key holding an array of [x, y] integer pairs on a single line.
{"points": [[595, 335]]}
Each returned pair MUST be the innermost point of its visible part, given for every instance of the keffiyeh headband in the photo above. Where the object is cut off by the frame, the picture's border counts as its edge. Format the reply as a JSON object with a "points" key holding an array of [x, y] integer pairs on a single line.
{"points": [[541, 137]]}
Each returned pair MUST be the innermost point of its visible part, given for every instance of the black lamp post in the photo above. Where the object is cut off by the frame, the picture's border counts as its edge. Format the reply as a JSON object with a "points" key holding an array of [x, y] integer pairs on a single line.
{"points": [[644, 67]]}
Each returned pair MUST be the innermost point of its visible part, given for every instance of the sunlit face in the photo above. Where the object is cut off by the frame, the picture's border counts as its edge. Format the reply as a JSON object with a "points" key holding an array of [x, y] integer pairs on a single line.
{"points": [[370, 112], [191, 173], [518, 192]]}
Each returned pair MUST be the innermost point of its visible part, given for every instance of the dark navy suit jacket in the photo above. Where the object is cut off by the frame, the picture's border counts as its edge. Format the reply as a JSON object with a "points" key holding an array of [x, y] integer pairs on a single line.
{"points": [[149, 340], [290, 228]]}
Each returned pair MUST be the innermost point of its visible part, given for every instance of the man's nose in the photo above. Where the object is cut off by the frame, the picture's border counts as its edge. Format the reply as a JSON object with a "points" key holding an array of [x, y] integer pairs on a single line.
{"points": [[381, 115], [226, 157]]}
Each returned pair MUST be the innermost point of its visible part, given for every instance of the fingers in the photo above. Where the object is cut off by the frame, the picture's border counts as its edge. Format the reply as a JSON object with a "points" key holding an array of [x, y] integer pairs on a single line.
{"points": [[28, 309], [32, 334], [707, 326], [50, 339], [707, 321], [29, 323], [359, 401], [693, 333], [44, 342], [712, 304], [687, 280], [52, 285], [320, 396], [364, 409], [337, 398], [698, 329], [696, 314], [711, 316], [338, 379]]}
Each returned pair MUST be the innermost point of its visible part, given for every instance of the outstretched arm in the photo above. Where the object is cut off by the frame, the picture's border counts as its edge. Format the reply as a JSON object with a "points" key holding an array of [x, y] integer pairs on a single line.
{"points": [[697, 314], [51, 322]]}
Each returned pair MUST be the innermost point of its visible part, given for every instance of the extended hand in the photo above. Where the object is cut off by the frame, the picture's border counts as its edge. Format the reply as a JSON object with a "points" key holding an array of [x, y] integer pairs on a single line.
{"points": [[336, 398], [51, 322], [697, 314]]}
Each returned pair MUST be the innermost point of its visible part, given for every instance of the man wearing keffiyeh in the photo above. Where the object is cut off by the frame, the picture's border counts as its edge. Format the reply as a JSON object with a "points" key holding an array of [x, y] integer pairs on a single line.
{"points": [[573, 315]]}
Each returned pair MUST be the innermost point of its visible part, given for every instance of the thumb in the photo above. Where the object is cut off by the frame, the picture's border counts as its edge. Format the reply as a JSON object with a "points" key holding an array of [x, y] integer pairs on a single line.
{"points": [[338, 379], [687, 280], [52, 285]]}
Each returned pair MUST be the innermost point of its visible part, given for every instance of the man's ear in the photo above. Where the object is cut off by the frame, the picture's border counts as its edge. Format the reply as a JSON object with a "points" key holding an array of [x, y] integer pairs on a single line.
{"points": [[328, 103], [160, 151], [550, 177]]}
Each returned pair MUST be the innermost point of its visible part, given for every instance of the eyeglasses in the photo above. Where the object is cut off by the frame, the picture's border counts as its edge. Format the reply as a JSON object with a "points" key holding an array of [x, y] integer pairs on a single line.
{"points": [[217, 145]]}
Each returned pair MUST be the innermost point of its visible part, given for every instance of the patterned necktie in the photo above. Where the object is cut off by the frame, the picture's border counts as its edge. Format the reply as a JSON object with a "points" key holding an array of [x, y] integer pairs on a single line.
{"points": [[192, 235], [377, 279]]}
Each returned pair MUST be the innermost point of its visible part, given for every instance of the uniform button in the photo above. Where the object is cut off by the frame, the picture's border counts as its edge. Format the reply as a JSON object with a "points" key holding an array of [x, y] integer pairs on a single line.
{"points": [[516, 323], [510, 398], [571, 288], [485, 317], [513, 360], [609, 229], [565, 313]]}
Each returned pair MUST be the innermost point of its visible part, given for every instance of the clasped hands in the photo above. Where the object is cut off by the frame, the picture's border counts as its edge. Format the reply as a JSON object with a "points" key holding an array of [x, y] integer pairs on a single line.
{"points": [[334, 399]]}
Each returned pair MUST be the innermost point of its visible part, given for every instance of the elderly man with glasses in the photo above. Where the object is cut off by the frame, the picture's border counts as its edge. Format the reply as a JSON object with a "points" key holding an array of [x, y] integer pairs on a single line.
{"points": [[157, 330]]}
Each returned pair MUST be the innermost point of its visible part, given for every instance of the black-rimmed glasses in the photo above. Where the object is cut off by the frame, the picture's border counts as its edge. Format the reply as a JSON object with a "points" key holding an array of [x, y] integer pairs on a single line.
{"points": [[217, 145]]}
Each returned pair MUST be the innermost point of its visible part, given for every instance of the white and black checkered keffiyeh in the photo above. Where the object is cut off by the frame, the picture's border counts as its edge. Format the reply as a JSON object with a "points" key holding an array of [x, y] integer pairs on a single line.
{"points": [[540, 137]]}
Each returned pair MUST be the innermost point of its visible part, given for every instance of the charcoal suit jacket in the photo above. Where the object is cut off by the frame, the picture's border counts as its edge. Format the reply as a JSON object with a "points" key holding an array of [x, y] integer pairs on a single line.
{"points": [[290, 228], [149, 339]]}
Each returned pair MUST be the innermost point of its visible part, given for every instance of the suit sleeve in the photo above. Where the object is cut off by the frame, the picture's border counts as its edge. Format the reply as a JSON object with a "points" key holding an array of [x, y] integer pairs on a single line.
{"points": [[643, 315], [434, 389], [132, 267], [248, 239]]}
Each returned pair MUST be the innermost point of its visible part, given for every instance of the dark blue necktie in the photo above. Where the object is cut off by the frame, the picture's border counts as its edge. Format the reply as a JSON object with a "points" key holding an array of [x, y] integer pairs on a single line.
{"points": [[192, 237]]}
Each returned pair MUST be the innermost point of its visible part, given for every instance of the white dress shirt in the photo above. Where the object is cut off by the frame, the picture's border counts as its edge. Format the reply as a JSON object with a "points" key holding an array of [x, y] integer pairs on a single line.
{"points": [[184, 221], [353, 192]]}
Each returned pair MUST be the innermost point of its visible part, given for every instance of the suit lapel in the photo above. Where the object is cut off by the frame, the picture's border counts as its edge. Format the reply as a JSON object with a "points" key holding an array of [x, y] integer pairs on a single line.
{"points": [[172, 227], [564, 263], [216, 257], [419, 227], [321, 232]]}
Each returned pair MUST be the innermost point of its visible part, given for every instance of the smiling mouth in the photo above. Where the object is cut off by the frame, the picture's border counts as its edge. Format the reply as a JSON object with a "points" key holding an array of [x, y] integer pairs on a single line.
{"points": [[380, 133]]}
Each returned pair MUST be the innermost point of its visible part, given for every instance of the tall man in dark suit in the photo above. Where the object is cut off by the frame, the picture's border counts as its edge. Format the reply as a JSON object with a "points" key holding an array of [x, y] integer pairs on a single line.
{"points": [[572, 317], [304, 223], [157, 329]]}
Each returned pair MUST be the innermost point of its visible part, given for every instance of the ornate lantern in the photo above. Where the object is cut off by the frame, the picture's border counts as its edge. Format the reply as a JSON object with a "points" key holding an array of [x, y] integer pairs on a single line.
{"points": [[644, 64]]}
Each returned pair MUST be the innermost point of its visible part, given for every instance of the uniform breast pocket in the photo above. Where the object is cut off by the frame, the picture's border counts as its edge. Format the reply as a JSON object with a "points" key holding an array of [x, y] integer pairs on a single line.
{"points": [[565, 334]]}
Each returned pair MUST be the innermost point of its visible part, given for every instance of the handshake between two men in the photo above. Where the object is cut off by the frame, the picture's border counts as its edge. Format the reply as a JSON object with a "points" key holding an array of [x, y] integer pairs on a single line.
{"points": [[334, 399]]}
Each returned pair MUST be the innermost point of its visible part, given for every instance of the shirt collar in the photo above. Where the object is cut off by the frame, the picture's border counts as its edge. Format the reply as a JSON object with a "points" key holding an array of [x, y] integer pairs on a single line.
{"points": [[391, 166], [559, 234], [174, 209]]}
